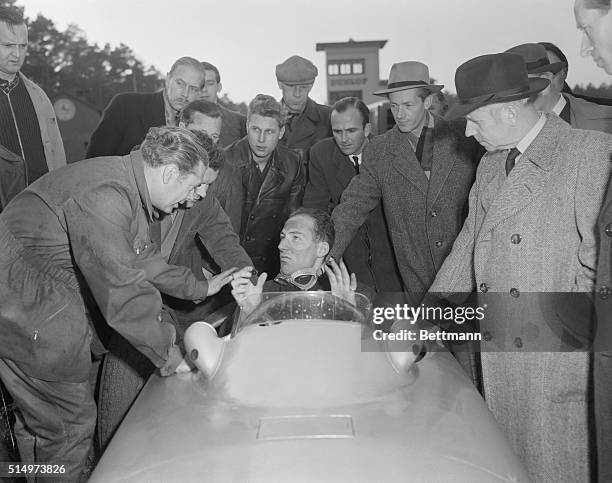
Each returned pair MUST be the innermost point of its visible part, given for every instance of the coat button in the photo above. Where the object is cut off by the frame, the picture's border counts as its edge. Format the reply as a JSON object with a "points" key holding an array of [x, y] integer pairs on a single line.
{"points": [[248, 238], [439, 243], [515, 293], [516, 239], [608, 229], [251, 217], [159, 317], [484, 288], [518, 342], [604, 292], [434, 213], [486, 335]]}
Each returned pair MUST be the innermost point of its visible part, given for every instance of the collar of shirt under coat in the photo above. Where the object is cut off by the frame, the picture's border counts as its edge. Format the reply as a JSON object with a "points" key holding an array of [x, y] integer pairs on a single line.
{"points": [[524, 143], [559, 105]]}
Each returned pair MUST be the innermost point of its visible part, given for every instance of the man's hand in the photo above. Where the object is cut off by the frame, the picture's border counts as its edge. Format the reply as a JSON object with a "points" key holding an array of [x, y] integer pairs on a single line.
{"points": [[217, 282], [342, 284], [247, 294], [175, 359]]}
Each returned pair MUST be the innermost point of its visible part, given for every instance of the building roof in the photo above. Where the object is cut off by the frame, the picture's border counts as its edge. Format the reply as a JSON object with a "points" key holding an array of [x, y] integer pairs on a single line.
{"points": [[351, 44]]}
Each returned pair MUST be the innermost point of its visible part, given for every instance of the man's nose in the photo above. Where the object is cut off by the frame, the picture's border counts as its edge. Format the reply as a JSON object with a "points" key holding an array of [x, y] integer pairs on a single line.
{"points": [[282, 243], [586, 46], [297, 91], [261, 137], [344, 138]]}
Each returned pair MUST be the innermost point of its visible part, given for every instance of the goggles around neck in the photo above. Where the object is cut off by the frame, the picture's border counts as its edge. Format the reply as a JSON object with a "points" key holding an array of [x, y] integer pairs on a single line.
{"points": [[304, 278]]}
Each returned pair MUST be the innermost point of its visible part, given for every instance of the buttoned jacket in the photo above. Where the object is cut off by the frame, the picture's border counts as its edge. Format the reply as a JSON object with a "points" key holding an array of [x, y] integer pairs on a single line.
{"points": [[527, 236]]}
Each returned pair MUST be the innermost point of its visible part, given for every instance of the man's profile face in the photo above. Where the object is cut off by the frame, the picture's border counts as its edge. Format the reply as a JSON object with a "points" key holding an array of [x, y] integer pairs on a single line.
{"points": [[408, 109], [596, 27], [174, 187], [295, 96], [263, 134], [349, 131], [183, 86], [487, 128], [207, 125], [13, 49], [298, 248], [210, 90]]}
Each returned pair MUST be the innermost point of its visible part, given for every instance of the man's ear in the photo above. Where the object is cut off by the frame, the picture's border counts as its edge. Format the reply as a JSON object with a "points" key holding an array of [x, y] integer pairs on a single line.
{"points": [[323, 249], [367, 129], [219, 87], [281, 133], [169, 172], [428, 101], [280, 84]]}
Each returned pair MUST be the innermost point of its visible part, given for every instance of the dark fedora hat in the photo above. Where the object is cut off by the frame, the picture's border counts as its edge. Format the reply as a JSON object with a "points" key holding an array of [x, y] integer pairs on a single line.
{"points": [[490, 79], [536, 59]]}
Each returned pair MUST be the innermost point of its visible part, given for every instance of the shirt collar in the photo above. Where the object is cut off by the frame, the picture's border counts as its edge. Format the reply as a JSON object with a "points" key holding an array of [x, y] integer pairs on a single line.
{"points": [[559, 105], [524, 143], [428, 122]]}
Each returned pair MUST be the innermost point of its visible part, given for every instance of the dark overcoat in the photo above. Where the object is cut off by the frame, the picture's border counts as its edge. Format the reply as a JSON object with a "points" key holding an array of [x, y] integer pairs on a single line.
{"points": [[125, 123], [233, 126]]}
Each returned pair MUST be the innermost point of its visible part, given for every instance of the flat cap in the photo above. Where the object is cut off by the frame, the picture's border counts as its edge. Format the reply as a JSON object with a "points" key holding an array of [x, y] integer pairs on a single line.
{"points": [[296, 70]]}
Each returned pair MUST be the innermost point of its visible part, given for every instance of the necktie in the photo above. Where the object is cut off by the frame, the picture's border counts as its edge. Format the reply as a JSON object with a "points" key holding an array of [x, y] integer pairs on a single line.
{"points": [[511, 159], [356, 163]]}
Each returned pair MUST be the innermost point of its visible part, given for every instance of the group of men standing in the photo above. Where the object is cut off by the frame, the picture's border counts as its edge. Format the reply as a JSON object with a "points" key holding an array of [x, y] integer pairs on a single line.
{"points": [[182, 192]]}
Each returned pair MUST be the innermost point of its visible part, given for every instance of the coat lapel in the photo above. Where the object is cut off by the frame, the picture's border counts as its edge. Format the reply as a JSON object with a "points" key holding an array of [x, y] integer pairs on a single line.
{"points": [[443, 161], [526, 181], [273, 179], [404, 161], [343, 171], [306, 124]]}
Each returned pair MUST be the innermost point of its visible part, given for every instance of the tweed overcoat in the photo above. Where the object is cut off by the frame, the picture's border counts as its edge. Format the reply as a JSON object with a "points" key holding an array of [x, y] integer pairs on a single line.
{"points": [[370, 255], [526, 236], [424, 216]]}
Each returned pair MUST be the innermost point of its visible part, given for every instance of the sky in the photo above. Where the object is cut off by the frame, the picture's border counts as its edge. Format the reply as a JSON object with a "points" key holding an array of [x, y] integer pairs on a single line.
{"points": [[245, 39]]}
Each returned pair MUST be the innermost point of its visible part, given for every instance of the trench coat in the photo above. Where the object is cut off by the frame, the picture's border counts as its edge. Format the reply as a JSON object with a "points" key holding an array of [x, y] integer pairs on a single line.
{"points": [[527, 236]]}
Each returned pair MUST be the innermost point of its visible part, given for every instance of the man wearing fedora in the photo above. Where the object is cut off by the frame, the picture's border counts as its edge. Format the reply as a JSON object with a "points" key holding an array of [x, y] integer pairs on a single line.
{"points": [[306, 122], [421, 170], [577, 112], [530, 232], [594, 19]]}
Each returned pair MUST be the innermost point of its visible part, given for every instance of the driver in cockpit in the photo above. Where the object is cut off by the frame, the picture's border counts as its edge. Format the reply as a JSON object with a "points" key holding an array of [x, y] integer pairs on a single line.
{"points": [[305, 241]]}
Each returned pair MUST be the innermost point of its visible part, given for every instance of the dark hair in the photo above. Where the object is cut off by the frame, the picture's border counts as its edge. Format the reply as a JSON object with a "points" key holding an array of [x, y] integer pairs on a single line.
{"points": [[168, 144], [323, 226], [599, 4], [190, 62], [209, 66], [266, 106], [550, 47], [216, 159], [346, 102], [11, 16], [202, 106]]}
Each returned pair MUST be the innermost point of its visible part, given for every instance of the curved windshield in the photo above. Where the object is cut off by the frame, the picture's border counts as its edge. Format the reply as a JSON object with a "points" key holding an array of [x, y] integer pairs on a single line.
{"points": [[275, 307]]}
